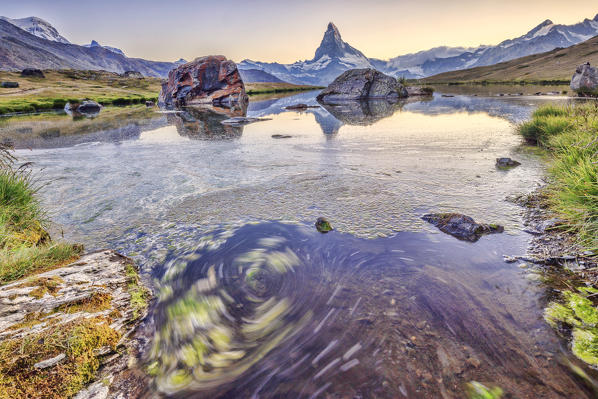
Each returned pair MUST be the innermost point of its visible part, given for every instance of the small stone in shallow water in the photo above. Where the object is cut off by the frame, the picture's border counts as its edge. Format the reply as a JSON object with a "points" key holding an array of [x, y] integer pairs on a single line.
{"points": [[506, 163], [281, 136], [323, 225], [460, 226]]}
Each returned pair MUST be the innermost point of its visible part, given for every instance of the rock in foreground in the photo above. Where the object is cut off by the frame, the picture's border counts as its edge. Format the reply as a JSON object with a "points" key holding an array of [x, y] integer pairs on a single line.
{"points": [[211, 80], [87, 107], [585, 80], [461, 226], [363, 84], [506, 163], [62, 328]]}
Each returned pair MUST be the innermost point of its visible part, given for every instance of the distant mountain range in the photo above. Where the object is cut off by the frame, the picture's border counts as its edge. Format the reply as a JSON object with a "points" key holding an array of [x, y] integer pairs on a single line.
{"points": [[557, 64], [34, 43], [334, 56]]}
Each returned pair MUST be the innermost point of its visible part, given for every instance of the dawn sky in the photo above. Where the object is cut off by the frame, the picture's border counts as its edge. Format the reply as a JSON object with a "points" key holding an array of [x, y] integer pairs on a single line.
{"points": [[287, 31]]}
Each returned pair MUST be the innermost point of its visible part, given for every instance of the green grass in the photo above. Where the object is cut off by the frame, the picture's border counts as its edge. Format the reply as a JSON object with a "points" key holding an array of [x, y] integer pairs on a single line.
{"points": [[570, 134], [25, 245]]}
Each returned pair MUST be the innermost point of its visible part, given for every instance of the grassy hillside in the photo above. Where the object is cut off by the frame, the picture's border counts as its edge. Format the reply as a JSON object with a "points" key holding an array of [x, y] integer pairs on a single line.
{"points": [[35, 94], [107, 88], [276, 87], [556, 66]]}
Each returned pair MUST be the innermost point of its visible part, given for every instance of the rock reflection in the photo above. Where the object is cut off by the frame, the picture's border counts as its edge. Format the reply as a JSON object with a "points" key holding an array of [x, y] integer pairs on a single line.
{"points": [[363, 112], [205, 123]]}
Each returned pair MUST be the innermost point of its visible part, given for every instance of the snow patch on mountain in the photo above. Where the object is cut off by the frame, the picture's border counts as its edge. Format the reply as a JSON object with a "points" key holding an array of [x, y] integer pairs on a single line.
{"points": [[37, 27]]}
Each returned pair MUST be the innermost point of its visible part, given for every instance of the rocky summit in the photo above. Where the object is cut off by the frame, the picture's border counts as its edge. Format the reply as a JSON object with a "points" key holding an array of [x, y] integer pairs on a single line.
{"points": [[585, 80], [362, 84], [211, 80]]}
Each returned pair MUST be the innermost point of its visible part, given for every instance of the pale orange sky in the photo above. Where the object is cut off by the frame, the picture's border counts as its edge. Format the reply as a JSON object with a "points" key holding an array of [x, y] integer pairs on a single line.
{"points": [[287, 31]]}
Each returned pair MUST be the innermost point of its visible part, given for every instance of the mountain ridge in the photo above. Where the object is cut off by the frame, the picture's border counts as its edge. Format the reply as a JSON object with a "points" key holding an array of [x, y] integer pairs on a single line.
{"points": [[334, 54]]}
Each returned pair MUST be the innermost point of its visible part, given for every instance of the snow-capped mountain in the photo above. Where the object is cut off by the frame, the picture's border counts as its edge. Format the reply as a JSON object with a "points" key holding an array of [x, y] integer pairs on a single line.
{"points": [[333, 57], [37, 27], [545, 37], [96, 44]]}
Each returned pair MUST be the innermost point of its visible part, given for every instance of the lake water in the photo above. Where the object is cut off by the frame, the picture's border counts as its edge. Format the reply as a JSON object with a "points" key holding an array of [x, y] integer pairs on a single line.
{"points": [[253, 302]]}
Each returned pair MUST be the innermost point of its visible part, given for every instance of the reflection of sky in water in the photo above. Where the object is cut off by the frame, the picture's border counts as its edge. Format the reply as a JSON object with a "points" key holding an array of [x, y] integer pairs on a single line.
{"points": [[369, 180], [414, 315]]}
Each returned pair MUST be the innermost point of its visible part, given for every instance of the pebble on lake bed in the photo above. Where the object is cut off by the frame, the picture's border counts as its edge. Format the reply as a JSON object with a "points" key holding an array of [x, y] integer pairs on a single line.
{"points": [[323, 225]]}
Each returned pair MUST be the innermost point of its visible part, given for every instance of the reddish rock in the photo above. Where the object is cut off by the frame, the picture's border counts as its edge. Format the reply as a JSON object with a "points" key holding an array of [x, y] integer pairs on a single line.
{"points": [[211, 80]]}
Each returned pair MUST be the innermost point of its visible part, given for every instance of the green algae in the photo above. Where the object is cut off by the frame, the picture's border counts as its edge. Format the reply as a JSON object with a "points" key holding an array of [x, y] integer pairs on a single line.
{"points": [[581, 316], [477, 390]]}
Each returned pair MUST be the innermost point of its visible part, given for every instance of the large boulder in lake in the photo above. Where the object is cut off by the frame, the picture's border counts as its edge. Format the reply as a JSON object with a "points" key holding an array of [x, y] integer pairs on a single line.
{"points": [[461, 226], [363, 84], [585, 80], [211, 80]]}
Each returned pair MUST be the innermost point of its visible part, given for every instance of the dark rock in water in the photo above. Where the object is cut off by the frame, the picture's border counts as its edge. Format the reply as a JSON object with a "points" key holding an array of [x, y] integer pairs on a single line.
{"points": [[87, 108], [506, 163], [281, 136], [301, 106], [149, 104], [461, 226], [585, 80], [211, 80], [133, 74], [447, 95], [323, 225], [360, 84], [32, 72], [9, 85]]}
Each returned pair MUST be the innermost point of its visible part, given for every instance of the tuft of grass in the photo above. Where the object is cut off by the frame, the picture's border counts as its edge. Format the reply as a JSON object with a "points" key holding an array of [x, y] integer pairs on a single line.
{"points": [[570, 134], [140, 295], [76, 340], [25, 245]]}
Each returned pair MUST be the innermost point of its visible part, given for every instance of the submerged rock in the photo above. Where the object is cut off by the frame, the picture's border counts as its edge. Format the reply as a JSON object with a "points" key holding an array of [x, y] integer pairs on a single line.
{"points": [[360, 84], [323, 225], [585, 80], [461, 226], [211, 80], [281, 136], [506, 163]]}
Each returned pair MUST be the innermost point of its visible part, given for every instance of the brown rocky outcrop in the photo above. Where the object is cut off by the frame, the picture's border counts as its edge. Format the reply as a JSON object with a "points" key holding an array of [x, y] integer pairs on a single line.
{"points": [[211, 80], [585, 80]]}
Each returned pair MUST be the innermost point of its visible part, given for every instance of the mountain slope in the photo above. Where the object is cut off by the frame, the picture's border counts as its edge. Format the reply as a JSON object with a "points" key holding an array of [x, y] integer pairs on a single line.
{"points": [[20, 49], [544, 37], [333, 57], [255, 76], [37, 27], [557, 64], [96, 44]]}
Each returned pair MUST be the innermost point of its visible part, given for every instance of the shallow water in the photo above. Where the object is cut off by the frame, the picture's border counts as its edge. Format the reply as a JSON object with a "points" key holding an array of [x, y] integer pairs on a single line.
{"points": [[255, 303]]}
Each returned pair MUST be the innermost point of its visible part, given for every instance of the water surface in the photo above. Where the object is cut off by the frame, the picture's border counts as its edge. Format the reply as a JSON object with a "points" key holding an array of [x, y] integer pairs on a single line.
{"points": [[253, 302]]}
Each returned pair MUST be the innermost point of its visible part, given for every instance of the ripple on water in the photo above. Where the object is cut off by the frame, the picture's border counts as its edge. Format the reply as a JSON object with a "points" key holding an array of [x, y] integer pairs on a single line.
{"points": [[279, 310]]}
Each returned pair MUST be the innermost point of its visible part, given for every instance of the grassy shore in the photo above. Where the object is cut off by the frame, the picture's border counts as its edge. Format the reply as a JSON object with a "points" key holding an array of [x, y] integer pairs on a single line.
{"points": [[25, 246], [60, 87], [278, 87], [570, 134]]}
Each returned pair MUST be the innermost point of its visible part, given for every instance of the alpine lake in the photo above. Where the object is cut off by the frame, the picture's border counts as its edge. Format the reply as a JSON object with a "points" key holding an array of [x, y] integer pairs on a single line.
{"points": [[251, 301]]}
